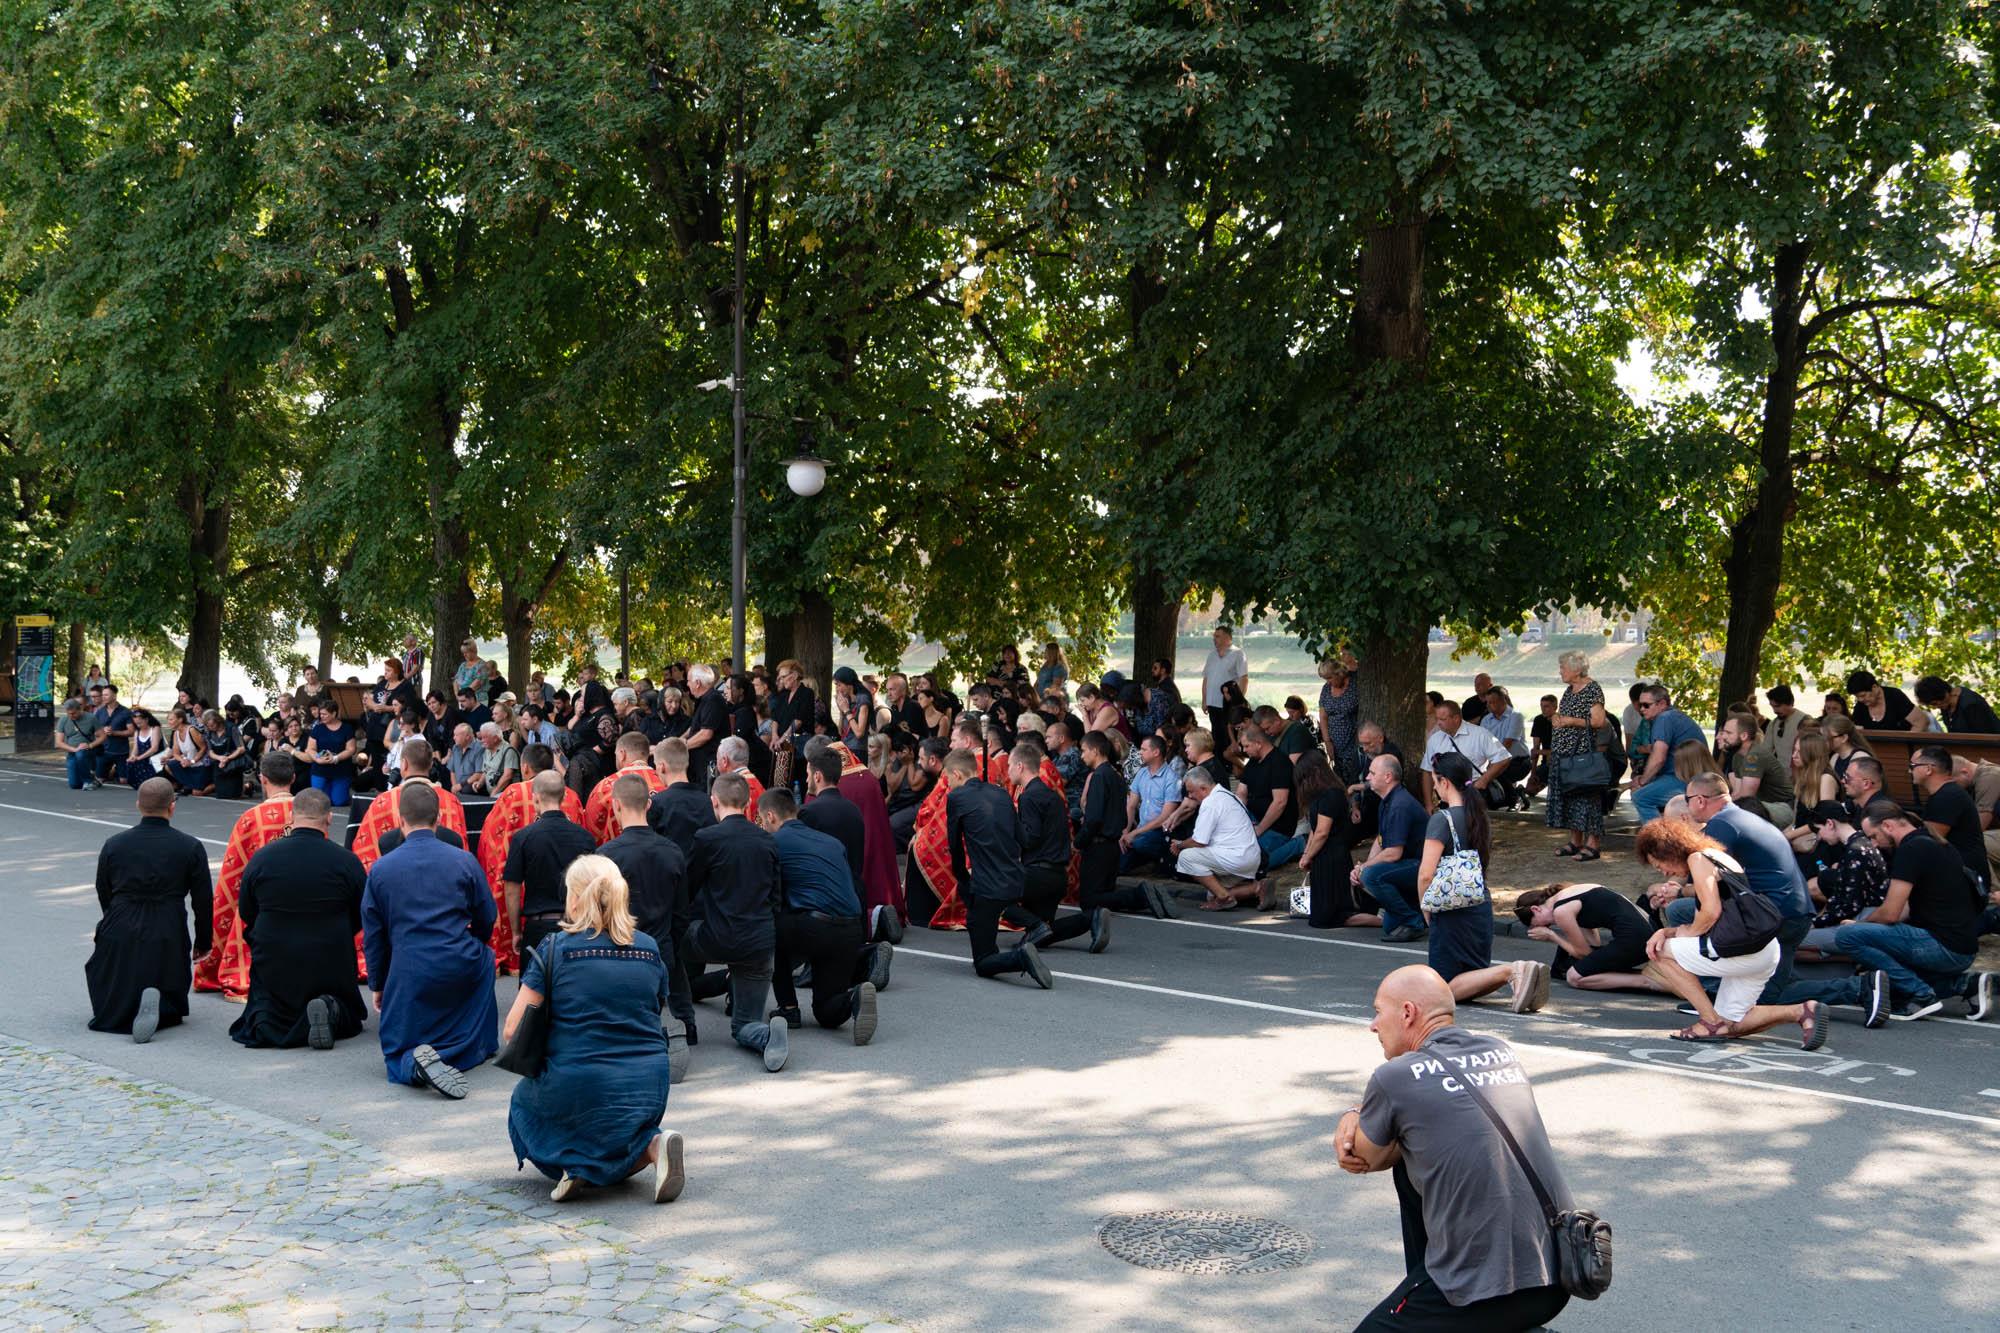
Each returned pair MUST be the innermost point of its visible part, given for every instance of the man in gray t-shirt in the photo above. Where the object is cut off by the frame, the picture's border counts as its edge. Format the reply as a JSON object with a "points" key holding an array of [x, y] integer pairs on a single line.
{"points": [[1476, 1246]]}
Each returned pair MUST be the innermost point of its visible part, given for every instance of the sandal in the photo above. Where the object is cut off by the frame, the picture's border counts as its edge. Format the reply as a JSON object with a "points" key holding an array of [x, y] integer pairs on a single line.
{"points": [[1589, 854], [1569, 849], [1226, 905], [1706, 1031], [1812, 1026]]}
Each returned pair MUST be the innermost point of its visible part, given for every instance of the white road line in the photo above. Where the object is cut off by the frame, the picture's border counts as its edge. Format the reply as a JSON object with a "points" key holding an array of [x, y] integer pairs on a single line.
{"points": [[86, 819], [1592, 1057], [12, 772], [1989, 1092]]}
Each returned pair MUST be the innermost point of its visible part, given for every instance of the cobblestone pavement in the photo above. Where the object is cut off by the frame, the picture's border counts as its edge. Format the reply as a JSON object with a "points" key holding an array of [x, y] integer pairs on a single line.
{"points": [[128, 1204]]}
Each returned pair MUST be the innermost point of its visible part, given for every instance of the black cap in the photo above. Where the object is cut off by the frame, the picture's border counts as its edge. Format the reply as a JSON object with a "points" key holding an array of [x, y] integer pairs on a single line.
{"points": [[1826, 811]]}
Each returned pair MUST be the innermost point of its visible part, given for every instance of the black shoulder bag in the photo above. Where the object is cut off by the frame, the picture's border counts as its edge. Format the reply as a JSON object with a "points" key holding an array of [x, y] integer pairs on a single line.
{"points": [[1749, 920], [527, 1051], [1582, 1238]]}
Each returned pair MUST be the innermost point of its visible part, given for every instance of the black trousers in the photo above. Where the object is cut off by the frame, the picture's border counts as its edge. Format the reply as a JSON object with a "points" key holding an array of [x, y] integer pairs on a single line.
{"points": [[1097, 886], [1046, 887], [1504, 786], [834, 946], [534, 929], [982, 927], [1416, 1303]]}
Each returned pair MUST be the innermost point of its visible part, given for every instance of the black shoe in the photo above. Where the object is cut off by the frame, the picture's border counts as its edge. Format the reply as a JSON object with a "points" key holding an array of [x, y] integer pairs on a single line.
{"points": [[1875, 999], [677, 1049], [319, 1023], [1100, 930], [1032, 964], [778, 1047], [1916, 1009], [1405, 934], [888, 925], [147, 1021], [1157, 902], [1038, 934], [433, 1072], [791, 1016], [865, 1014], [878, 966]]}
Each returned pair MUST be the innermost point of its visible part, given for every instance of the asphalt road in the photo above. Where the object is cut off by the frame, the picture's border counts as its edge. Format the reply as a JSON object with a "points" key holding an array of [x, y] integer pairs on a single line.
{"points": [[953, 1173]]}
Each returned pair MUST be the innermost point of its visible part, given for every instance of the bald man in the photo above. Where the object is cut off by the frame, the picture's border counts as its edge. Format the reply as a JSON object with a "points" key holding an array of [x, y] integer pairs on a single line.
{"points": [[1477, 1248], [148, 880]]}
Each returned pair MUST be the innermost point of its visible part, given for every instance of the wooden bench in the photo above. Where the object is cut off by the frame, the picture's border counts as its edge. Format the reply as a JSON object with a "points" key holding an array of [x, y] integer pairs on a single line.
{"points": [[1894, 749]]}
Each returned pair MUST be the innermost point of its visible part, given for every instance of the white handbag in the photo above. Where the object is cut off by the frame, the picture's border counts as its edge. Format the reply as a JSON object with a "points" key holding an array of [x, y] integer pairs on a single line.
{"points": [[1459, 881]]}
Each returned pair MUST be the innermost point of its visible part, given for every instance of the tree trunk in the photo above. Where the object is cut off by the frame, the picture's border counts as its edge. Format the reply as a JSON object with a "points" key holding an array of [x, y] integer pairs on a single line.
{"points": [[328, 630], [1389, 323], [778, 641], [812, 640], [76, 663], [519, 609], [1755, 566], [451, 548], [208, 561], [1392, 679], [1156, 618]]}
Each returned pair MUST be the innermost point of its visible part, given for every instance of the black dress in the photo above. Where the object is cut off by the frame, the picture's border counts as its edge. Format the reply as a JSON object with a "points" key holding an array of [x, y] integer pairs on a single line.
{"points": [[1333, 897], [301, 909], [148, 880]]}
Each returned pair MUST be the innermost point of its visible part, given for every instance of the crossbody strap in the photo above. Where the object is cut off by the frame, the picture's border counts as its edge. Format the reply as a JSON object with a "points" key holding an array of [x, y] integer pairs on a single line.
{"points": [[1549, 1208]]}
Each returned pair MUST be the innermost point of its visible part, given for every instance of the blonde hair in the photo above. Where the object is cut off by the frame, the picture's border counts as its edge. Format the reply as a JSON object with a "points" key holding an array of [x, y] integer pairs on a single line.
{"points": [[1814, 766], [1843, 725], [598, 902], [1333, 671], [1692, 757], [1199, 736]]}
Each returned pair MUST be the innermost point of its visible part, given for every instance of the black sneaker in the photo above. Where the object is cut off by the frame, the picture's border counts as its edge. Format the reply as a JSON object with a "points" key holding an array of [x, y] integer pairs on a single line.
{"points": [[1918, 1008], [1032, 964], [865, 1014], [779, 1046], [1875, 999], [878, 966], [1038, 935], [319, 1023], [433, 1072], [791, 1016], [147, 1021], [1157, 902], [1405, 934], [887, 926], [1100, 930], [1982, 995]]}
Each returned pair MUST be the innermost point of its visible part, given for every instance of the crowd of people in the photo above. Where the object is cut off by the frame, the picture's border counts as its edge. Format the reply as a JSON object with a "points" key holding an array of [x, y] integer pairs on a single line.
{"points": [[740, 836]]}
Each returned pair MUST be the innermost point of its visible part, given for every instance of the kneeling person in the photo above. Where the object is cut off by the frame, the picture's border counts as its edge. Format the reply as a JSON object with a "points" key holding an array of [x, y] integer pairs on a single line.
{"points": [[148, 879], [1600, 935], [734, 880], [300, 904], [986, 863], [819, 923]]}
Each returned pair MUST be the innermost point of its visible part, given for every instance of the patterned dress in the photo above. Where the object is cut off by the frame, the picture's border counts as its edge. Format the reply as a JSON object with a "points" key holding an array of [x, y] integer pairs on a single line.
{"points": [[1583, 812], [1343, 712]]}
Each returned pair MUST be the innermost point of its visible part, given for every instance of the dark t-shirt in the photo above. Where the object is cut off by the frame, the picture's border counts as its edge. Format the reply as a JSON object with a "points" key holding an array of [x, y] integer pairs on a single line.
{"points": [[711, 714], [1952, 806], [1272, 773], [116, 719], [1972, 714], [1488, 1235], [1331, 804], [1541, 731], [1942, 898], [1896, 710], [539, 855], [332, 740], [1402, 823]]}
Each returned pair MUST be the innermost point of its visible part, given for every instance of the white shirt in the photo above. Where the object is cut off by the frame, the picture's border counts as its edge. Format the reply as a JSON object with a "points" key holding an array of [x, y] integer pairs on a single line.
{"points": [[1475, 743], [1223, 826], [1221, 667], [1508, 731]]}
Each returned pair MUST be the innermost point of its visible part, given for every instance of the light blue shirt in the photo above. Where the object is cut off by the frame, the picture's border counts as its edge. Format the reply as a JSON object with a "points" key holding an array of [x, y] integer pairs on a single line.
{"points": [[1155, 790], [1508, 731]]}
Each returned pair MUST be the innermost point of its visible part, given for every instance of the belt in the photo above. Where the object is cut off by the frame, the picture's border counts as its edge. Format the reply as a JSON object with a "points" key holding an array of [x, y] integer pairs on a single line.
{"points": [[824, 916], [1048, 865], [541, 916]]}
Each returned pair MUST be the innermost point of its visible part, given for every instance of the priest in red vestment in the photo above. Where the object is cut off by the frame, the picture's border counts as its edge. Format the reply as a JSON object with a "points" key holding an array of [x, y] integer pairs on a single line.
{"points": [[932, 890], [633, 756], [881, 889], [732, 755], [226, 966], [513, 810]]}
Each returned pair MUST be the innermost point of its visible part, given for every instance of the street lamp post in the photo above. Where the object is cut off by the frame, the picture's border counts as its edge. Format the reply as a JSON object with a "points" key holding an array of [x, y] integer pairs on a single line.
{"points": [[738, 538]]}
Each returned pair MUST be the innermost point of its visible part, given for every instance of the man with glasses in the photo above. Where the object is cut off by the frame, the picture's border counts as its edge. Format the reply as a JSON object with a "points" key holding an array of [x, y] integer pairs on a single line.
{"points": [[1949, 812], [1655, 785]]}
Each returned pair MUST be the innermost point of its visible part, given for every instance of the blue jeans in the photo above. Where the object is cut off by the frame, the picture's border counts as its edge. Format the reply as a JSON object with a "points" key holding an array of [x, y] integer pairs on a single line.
{"points": [[1792, 932], [1148, 846], [1279, 849], [81, 766], [1393, 884], [1919, 967], [1651, 800], [337, 789]]}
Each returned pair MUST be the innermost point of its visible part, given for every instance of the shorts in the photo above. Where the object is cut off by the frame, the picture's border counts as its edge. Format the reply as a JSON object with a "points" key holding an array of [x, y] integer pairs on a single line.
{"points": [[1198, 861], [1742, 977], [1626, 953]]}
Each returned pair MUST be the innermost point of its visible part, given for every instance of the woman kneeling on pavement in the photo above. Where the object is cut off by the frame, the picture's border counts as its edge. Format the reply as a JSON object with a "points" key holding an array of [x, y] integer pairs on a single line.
{"points": [[1681, 955], [1451, 889], [592, 1116]]}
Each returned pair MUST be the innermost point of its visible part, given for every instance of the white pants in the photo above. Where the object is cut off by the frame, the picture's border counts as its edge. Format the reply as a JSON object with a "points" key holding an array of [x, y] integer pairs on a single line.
{"points": [[1742, 977], [1199, 861]]}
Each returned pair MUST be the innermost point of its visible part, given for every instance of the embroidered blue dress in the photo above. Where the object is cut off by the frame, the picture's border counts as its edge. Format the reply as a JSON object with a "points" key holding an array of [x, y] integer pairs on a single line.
{"points": [[599, 1098]]}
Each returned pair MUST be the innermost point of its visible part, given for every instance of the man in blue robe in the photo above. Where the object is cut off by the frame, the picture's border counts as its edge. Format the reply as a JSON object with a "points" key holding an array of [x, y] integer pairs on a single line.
{"points": [[426, 916]]}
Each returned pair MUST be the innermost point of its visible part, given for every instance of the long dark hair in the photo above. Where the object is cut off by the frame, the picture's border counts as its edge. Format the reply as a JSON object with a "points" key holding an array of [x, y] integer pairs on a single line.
{"points": [[1459, 772], [1311, 777]]}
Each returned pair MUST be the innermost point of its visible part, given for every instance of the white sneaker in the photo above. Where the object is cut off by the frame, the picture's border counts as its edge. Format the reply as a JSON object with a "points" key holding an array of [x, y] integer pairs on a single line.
{"points": [[1531, 987], [565, 1187], [669, 1172]]}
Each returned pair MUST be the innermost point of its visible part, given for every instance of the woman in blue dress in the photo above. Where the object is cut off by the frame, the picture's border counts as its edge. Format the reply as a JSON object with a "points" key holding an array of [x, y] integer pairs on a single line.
{"points": [[592, 1116]]}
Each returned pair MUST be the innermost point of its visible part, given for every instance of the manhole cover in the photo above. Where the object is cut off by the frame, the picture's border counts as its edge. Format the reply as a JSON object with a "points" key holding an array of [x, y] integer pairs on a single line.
{"points": [[1190, 1241]]}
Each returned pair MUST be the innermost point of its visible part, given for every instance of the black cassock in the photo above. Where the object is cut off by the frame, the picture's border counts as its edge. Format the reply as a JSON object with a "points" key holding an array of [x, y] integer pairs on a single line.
{"points": [[301, 909], [148, 879]]}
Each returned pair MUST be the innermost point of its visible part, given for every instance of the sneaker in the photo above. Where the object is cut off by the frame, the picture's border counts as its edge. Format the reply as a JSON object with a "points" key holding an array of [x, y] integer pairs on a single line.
{"points": [[1032, 964], [1875, 999], [878, 966], [1405, 934], [1531, 987], [1157, 902], [887, 925], [865, 1015], [677, 1050], [1916, 1009], [669, 1170], [1100, 930], [802, 976], [1524, 803], [1038, 935], [433, 1072], [147, 1021], [319, 1023], [1269, 897], [1812, 1026], [779, 1046], [1982, 995], [565, 1188], [791, 1016]]}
